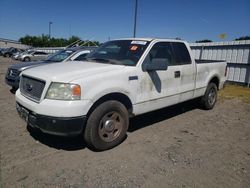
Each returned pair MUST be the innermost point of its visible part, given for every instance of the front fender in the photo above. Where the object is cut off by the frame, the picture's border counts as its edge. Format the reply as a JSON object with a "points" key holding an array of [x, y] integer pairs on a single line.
{"points": [[95, 93]]}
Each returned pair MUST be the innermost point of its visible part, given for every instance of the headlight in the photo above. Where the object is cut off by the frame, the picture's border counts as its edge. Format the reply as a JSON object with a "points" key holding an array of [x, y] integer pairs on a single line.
{"points": [[63, 91]]}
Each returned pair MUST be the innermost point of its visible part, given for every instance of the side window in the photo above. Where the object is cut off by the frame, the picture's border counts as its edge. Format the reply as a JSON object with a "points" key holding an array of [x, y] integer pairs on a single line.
{"points": [[40, 53], [81, 57], [182, 55], [163, 51]]}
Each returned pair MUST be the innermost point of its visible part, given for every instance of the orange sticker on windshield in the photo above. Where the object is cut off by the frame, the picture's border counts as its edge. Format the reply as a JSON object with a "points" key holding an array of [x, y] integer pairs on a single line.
{"points": [[133, 48]]}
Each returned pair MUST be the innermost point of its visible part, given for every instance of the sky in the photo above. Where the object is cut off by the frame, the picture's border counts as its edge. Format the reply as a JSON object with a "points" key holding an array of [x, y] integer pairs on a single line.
{"points": [[102, 20]]}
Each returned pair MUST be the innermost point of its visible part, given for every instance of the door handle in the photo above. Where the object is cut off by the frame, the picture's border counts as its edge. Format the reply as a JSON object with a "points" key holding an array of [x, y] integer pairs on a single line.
{"points": [[177, 74]]}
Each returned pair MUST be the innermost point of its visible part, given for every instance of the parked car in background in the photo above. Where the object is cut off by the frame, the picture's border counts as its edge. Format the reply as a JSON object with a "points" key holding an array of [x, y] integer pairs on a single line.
{"points": [[16, 55], [10, 51], [76, 54], [1, 51], [33, 56], [121, 79]]}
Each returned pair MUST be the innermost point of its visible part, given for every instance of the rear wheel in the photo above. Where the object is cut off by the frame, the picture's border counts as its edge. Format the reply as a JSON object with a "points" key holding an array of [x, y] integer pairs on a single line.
{"points": [[107, 125], [209, 99]]}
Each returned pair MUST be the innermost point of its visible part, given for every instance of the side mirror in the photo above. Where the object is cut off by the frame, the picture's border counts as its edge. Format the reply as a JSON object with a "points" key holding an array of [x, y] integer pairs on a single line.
{"points": [[155, 64]]}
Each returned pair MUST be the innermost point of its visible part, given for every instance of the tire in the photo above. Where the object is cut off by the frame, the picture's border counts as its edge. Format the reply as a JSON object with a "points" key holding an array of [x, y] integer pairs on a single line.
{"points": [[209, 99], [7, 55], [106, 126], [26, 59]]}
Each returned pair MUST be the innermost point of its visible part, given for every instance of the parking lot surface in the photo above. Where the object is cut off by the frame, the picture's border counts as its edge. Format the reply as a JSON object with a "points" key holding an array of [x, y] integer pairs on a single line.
{"points": [[179, 146]]}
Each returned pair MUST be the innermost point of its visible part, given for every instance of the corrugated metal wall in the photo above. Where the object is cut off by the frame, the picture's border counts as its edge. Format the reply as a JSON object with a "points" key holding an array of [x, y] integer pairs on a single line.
{"points": [[49, 50], [236, 53]]}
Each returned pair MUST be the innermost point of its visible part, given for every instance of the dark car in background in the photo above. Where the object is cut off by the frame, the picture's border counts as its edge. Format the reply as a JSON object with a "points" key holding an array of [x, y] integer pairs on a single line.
{"points": [[1, 51], [69, 54], [10, 51]]}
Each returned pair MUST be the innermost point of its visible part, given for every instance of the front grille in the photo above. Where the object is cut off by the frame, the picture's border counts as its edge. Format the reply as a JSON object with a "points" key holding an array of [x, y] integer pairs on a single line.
{"points": [[13, 73], [32, 88]]}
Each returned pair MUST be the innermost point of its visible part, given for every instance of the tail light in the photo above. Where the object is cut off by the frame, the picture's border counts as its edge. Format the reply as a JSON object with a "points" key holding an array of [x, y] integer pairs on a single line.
{"points": [[225, 72]]}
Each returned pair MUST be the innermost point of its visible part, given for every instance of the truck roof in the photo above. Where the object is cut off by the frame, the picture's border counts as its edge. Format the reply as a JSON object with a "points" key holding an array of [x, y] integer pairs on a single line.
{"points": [[151, 39], [81, 48]]}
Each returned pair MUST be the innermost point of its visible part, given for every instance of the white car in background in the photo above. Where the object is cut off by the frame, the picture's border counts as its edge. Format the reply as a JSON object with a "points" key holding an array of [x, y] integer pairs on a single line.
{"points": [[33, 56]]}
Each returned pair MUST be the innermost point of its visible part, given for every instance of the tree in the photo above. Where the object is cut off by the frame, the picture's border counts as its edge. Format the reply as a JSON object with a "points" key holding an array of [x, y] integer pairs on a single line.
{"points": [[243, 38], [203, 41], [45, 41], [72, 39]]}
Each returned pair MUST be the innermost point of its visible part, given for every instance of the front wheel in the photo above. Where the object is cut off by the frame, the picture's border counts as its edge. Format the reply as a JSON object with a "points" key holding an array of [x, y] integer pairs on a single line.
{"points": [[209, 99], [26, 59], [107, 125]]}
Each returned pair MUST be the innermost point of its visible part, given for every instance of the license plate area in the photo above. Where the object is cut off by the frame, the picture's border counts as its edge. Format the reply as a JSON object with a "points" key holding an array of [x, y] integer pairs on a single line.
{"points": [[23, 113]]}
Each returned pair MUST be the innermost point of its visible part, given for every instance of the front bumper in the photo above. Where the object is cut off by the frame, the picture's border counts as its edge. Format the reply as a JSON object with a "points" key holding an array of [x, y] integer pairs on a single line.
{"points": [[61, 126], [64, 118], [55, 108]]}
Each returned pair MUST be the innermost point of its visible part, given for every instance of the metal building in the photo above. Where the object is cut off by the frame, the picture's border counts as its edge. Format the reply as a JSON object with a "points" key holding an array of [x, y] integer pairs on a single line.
{"points": [[235, 53]]}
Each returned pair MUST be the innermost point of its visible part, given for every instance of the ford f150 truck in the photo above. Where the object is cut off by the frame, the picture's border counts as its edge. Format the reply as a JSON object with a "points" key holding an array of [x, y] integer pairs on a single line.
{"points": [[121, 79]]}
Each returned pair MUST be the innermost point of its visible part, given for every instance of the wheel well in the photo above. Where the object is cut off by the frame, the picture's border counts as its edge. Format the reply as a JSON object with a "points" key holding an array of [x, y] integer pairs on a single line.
{"points": [[215, 80], [122, 98]]}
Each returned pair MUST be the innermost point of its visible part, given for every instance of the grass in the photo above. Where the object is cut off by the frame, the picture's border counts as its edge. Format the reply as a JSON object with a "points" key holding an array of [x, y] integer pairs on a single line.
{"points": [[235, 91]]}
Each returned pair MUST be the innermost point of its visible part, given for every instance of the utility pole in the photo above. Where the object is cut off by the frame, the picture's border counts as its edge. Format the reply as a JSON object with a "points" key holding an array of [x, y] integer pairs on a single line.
{"points": [[70, 30], [50, 23], [135, 18]]}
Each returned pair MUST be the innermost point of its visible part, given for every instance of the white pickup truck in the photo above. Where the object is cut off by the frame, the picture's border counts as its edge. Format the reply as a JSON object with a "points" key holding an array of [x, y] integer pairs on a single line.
{"points": [[121, 79]]}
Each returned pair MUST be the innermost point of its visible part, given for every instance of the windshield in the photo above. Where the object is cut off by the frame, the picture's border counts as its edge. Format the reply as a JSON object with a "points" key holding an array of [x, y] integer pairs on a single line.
{"points": [[122, 52], [29, 52], [60, 56]]}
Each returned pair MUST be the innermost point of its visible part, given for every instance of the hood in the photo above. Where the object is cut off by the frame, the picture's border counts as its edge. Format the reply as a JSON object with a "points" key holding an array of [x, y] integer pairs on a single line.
{"points": [[69, 71], [25, 65]]}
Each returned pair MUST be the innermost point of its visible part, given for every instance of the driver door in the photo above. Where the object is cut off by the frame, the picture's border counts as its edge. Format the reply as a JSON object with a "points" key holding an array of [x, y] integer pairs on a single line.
{"points": [[158, 89]]}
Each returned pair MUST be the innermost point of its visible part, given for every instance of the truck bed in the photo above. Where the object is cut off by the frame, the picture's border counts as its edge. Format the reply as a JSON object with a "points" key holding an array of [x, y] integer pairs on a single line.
{"points": [[199, 61]]}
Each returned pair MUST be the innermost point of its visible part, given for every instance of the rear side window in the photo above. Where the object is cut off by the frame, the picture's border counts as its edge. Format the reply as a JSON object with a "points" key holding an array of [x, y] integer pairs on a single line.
{"points": [[181, 53], [40, 53]]}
